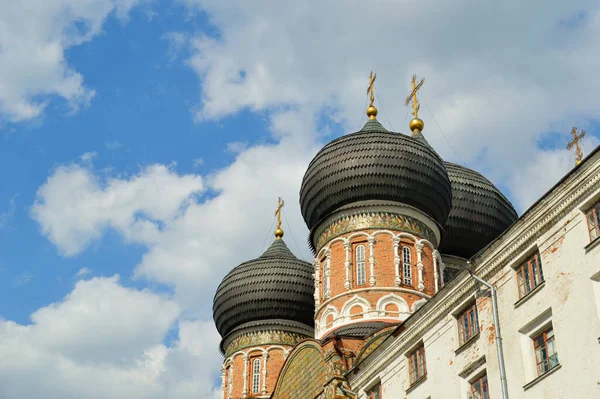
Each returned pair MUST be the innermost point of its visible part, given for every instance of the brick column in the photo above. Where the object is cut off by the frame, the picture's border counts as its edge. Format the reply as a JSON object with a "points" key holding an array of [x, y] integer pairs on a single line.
{"points": [[419, 247], [317, 277], [245, 375], [372, 279], [347, 246], [264, 372], [397, 280], [435, 270], [327, 273]]}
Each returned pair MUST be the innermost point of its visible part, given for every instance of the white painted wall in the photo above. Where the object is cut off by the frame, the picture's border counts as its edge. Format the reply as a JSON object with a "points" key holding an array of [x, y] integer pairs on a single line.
{"points": [[569, 299]]}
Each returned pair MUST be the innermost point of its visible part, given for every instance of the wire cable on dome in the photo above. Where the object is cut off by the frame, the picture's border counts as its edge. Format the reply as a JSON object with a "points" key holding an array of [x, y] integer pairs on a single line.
{"points": [[443, 134], [383, 110], [264, 246], [291, 232]]}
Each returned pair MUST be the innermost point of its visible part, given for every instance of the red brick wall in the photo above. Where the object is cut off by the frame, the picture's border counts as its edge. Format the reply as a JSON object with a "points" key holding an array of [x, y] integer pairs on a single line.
{"points": [[385, 273], [274, 365]]}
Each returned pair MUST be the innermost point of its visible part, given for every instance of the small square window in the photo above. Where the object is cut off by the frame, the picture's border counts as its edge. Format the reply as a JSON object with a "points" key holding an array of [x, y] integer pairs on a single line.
{"points": [[593, 221], [479, 388], [468, 324], [416, 364], [375, 392], [529, 274], [546, 356]]}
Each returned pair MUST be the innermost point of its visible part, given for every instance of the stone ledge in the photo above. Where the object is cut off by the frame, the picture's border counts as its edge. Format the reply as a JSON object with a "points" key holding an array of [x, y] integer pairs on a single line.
{"points": [[595, 242], [530, 294], [541, 377], [416, 384], [467, 343]]}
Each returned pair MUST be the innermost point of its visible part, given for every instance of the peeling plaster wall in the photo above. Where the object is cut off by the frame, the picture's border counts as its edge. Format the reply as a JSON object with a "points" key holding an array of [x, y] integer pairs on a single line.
{"points": [[568, 299]]}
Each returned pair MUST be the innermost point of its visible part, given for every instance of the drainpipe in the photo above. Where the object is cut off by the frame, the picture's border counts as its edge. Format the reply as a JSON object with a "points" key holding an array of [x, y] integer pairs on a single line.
{"points": [[496, 329]]}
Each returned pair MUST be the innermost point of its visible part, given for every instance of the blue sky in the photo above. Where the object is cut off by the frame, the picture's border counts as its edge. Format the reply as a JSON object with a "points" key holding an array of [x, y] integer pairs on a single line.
{"points": [[143, 145]]}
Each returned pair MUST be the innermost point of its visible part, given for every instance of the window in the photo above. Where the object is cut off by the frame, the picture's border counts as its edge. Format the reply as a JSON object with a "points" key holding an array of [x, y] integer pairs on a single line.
{"points": [[406, 266], [545, 352], [468, 325], [529, 275], [256, 376], [360, 265], [416, 364], [479, 388], [375, 392], [593, 221]]}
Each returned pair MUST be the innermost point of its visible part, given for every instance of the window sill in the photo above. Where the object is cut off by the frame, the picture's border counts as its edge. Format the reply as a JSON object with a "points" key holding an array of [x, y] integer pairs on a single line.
{"points": [[541, 377], [416, 384], [530, 294], [592, 245], [466, 344]]}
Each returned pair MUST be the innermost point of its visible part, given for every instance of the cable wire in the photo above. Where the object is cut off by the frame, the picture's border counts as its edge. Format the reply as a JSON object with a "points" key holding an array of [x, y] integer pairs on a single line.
{"points": [[383, 110], [291, 232], [443, 134], [264, 246]]}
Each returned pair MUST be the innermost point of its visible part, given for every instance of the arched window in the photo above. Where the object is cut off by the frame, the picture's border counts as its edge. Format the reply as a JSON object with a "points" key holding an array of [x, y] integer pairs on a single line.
{"points": [[360, 265], [406, 266], [256, 376]]}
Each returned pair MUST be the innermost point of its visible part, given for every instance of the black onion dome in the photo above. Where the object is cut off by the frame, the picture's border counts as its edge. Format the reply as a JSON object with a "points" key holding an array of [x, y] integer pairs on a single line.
{"points": [[275, 286], [480, 212], [375, 164]]}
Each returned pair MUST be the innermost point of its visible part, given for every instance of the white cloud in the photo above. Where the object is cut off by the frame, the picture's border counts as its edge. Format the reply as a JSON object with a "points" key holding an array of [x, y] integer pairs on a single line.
{"points": [[34, 36], [6, 216], [74, 206], [104, 340], [22, 279], [84, 271], [498, 75], [89, 156]]}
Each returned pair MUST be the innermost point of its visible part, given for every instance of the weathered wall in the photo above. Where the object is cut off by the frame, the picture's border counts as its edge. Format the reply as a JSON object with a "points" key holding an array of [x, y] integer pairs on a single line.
{"points": [[569, 300]]}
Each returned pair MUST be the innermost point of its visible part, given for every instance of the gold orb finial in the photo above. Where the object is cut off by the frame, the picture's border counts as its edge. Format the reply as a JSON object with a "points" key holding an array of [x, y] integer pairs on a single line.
{"points": [[279, 233], [372, 112], [416, 124]]}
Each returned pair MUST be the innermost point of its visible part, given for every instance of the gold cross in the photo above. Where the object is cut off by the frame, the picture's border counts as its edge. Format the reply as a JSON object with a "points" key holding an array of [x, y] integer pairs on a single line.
{"points": [[575, 142], [413, 96], [280, 204], [372, 78]]}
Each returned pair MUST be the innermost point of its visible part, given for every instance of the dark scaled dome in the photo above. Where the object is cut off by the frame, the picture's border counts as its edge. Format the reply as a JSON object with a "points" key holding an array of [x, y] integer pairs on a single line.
{"points": [[275, 286], [479, 213], [375, 164]]}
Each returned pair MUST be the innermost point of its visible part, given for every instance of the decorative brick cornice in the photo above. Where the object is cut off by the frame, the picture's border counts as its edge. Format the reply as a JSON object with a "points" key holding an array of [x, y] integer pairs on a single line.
{"points": [[372, 220]]}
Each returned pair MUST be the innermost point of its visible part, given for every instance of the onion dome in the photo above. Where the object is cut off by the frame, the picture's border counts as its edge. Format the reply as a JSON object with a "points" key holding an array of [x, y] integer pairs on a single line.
{"points": [[276, 288], [480, 212], [375, 164]]}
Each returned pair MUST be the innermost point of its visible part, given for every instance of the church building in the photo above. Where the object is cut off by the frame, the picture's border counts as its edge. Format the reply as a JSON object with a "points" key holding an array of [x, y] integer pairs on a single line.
{"points": [[425, 283]]}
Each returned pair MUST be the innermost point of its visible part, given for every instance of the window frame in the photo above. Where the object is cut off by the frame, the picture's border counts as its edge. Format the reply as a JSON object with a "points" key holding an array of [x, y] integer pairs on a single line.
{"points": [[484, 389], [470, 315], [530, 274], [406, 265], [417, 365], [546, 362], [361, 265], [374, 392], [256, 375], [593, 215]]}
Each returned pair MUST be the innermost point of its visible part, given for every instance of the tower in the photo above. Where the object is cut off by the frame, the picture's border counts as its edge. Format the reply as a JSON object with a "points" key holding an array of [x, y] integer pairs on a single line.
{"points": [[262, 309], [375, 202]]}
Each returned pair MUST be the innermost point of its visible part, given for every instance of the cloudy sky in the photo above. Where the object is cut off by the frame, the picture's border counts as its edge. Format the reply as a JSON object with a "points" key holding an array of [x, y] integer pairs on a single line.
{"points": [[144, 143]]}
